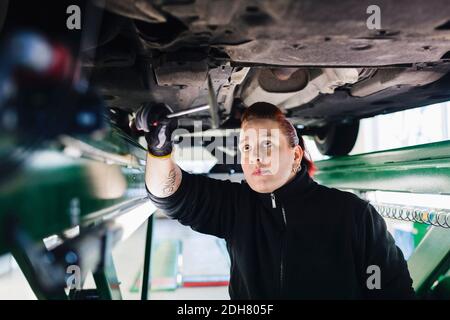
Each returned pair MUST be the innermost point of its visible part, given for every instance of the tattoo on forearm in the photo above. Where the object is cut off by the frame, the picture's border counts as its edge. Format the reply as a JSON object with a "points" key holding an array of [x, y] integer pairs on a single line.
{"points": [[169, 185]]}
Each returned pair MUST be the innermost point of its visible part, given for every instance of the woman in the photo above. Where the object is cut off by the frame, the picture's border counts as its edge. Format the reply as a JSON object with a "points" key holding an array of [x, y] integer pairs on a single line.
{"points": [[288, 236]]}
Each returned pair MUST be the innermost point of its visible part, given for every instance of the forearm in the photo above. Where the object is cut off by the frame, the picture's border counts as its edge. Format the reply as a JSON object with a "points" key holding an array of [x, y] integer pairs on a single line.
{"points": [[162, 176]]}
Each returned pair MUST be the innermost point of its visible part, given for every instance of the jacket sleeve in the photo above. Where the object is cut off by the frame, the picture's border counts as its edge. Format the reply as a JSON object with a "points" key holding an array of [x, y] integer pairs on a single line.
{"points": [[379, 254], [205, 204]]}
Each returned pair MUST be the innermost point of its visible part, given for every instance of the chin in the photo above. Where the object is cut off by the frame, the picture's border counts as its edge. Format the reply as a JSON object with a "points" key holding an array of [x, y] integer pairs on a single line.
{"points": [[262, 186]]}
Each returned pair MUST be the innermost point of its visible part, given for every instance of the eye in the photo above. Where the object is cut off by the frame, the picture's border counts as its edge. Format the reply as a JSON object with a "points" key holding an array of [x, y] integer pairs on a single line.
{"points": [[246, 147], [266, 143]]}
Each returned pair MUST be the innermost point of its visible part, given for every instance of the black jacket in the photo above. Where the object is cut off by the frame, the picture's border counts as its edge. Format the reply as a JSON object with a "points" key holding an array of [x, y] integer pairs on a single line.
{"points": [[303, 241]]}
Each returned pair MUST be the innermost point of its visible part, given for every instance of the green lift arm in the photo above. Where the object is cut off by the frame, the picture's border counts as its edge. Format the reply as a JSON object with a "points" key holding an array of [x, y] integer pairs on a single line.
{"points": [[94, 185]]}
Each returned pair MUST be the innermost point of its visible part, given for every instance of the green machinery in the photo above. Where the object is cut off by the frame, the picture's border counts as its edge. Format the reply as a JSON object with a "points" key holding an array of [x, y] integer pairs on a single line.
{"points": [[71, 182], [88, 195]]}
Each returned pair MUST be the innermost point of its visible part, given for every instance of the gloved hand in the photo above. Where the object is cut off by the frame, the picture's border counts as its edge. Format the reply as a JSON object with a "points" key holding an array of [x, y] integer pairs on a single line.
{"points": [[157, 127]]}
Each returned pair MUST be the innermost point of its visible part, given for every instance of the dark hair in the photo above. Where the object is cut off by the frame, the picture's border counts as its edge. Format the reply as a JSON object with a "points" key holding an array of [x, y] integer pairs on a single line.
{"points": [[264, 110]]}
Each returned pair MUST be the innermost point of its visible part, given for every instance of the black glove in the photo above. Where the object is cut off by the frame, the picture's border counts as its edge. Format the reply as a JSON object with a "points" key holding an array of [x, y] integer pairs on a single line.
{"points": [[152, 119]]}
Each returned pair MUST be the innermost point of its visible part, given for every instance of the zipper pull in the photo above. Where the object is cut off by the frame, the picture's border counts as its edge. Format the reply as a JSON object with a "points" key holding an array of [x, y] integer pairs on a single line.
{"points": [[274, 204]]}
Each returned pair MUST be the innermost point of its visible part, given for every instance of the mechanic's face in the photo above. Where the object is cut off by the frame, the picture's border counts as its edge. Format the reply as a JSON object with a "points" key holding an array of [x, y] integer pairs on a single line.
{"points": [[267, 158]]}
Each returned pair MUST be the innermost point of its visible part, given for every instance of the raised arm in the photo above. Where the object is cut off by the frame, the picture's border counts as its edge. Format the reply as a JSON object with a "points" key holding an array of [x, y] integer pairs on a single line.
{"points": [[162, 176], [205, 204]]}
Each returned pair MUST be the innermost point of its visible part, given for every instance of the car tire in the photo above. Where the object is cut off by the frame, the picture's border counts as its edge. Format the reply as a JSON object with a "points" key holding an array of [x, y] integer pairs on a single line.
{"points": [[337, 139]]}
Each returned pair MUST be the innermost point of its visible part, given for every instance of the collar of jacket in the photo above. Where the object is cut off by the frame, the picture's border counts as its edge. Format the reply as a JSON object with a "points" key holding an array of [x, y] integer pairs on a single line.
{"points": [[290, 191]]}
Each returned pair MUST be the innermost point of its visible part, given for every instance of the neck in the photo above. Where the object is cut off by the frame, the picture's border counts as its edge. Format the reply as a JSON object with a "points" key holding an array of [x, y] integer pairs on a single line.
{"points": [[291, 177]]}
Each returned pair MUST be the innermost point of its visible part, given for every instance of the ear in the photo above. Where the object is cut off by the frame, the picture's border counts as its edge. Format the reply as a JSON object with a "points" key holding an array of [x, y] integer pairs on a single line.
{"points": [[298, 153]]}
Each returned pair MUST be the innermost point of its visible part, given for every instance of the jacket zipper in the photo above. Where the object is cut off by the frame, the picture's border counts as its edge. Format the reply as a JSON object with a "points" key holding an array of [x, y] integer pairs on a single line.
{"points": [[272, 195], [274, 204]]}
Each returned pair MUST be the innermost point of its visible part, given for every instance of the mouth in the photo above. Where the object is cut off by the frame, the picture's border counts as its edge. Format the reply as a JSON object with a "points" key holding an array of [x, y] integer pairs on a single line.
{"points": [[257, 172], [261, 172]]}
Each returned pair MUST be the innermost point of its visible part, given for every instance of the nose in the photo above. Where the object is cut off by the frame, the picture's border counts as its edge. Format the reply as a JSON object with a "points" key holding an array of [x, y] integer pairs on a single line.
{"points": [[258, 157], [254, 157]]}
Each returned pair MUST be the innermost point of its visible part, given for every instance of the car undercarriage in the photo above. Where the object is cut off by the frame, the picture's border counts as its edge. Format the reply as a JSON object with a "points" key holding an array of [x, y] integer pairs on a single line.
{"points": [[325, 68]]}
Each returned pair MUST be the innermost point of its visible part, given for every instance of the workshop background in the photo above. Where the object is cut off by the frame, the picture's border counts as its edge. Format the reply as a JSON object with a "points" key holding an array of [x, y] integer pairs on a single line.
{"points": [[73, 205]]}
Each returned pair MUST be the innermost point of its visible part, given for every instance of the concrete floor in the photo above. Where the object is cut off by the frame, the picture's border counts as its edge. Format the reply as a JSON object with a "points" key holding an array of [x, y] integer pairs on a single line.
{"points": [[201, 255]]}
